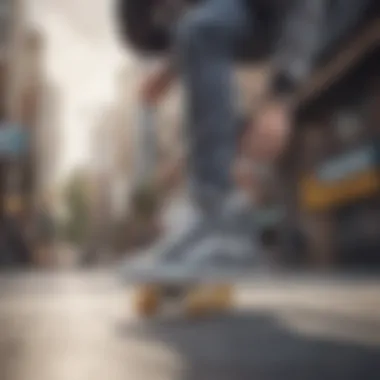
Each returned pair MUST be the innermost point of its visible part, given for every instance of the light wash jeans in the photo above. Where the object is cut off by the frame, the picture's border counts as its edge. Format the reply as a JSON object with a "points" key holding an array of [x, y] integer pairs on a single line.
{"points": [[205, 41]]}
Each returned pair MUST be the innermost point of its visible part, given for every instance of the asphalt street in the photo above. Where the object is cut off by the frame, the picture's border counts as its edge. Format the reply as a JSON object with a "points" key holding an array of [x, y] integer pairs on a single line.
{"points": [[81, 326]]}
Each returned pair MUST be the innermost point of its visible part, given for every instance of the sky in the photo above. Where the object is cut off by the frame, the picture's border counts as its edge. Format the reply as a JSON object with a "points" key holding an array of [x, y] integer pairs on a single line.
{"points": [[82, 59]]}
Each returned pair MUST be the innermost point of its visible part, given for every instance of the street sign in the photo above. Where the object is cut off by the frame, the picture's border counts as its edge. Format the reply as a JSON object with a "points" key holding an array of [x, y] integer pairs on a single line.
{"points": [[13, 140]]}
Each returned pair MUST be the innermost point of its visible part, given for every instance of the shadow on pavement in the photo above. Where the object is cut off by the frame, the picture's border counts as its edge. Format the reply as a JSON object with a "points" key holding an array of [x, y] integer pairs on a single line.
{"points": [[248, 346]]}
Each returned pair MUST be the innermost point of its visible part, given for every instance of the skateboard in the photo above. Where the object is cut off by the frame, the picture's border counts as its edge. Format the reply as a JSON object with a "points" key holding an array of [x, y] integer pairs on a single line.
{"points": [[160, 286], [194, 300]]}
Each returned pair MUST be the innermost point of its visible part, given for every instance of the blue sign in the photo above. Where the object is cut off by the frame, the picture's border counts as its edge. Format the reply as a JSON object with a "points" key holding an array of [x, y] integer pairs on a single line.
{"points": [[349, 164], [13, 140]]}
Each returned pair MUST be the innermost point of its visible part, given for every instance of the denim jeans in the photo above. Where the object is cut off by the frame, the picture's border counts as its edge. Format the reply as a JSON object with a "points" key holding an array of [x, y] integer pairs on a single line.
{"points": [[205, 40]]}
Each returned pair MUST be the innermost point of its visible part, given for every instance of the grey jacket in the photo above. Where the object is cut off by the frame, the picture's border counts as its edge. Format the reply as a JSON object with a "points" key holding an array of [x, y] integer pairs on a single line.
{"points": [[309, 26]]}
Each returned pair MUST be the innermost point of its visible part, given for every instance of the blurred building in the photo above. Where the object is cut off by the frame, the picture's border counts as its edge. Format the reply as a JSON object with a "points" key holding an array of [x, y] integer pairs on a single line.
{"points": [[331, 175], [14, 249], [48, 140], [12, 21], [28, 116], [25, 91], [100, 175], [113, 147], [38, 109], [22, 93]]}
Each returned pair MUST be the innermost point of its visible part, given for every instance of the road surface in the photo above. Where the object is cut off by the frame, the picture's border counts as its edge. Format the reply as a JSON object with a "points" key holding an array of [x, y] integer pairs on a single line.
{"points": [[81, 327]]}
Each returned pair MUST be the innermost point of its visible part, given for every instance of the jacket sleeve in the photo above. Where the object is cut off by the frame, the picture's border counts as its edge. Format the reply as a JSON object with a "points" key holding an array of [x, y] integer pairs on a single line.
{"points": [[309, 26], [301, 36]]}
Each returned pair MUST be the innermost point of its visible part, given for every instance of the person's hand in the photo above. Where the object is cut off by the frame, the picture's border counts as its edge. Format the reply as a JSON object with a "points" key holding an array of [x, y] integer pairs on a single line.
{"points": [[156, 84], [272, 129]]}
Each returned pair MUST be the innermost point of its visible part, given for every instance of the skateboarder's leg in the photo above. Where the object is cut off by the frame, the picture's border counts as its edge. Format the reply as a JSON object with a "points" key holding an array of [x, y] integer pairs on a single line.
{"points": [[206, 40]]}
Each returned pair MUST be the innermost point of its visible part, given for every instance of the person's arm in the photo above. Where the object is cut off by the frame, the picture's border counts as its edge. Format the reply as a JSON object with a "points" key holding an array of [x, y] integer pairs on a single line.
{"points": [[301, 36], [170, 174], [158, 83], [308, 27]]}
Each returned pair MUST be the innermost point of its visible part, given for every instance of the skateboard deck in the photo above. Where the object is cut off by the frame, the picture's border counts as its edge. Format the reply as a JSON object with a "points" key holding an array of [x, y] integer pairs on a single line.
{"points": [[158, 284]]}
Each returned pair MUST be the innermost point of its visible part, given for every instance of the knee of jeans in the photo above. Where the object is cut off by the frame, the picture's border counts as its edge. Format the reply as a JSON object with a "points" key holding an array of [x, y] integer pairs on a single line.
{"points": [[198, 29]]}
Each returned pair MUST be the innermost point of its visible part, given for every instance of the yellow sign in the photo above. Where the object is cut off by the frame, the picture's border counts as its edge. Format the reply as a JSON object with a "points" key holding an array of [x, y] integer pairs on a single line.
{"points": [[320, 196]]}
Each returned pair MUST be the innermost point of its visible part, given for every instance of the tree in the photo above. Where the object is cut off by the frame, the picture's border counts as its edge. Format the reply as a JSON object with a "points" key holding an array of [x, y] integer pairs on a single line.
{"points": [[77, 201]]}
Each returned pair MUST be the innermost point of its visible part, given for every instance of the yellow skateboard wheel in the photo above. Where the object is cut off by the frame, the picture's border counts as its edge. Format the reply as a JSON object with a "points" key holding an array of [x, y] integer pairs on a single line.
{"points": [[197, 302], [147, 301], [206, 299], [223, 297]]}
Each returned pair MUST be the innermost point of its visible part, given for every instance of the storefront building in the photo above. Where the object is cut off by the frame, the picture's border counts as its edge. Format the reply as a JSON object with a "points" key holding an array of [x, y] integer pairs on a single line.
{"points": [[333, 166]]}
